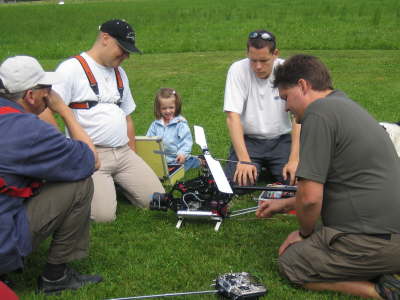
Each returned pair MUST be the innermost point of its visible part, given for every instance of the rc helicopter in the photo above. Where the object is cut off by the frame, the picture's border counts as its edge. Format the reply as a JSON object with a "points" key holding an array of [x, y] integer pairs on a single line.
{"points": [[208, 196]]}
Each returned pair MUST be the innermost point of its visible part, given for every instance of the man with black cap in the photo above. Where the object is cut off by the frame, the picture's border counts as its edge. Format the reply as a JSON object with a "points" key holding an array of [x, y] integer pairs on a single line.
{"points": [[259, 126], [97, 89], [45, 184]]}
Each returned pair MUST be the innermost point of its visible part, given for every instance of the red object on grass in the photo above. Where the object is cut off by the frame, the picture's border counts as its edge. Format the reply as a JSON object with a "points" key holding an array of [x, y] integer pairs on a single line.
{"points": [[6, 293]]}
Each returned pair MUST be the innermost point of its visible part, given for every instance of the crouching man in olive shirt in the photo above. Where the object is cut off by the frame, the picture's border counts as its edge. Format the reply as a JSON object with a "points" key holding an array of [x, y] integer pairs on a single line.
{"points": [[349, 178]]}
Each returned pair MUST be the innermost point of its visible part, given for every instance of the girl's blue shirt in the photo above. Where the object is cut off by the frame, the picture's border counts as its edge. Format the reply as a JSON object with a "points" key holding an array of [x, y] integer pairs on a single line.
{"points": [[176, 137]]}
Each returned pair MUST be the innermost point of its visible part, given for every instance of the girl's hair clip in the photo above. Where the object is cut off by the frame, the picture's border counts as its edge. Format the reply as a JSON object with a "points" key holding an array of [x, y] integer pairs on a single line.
{"points": [[173, 92]]}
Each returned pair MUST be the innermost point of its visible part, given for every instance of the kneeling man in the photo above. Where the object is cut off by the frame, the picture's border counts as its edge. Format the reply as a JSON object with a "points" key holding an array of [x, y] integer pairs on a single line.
{"points": [[45, 183], [348, 176]]}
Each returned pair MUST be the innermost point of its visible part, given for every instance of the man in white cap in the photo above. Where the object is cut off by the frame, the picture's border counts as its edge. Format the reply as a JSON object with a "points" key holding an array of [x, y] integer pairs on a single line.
{"points": [[42, 171], [97, 89]]}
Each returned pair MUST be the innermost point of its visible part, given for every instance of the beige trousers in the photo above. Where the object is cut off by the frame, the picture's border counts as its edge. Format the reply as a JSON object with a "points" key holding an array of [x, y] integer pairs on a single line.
{"points": [[124, 167]]}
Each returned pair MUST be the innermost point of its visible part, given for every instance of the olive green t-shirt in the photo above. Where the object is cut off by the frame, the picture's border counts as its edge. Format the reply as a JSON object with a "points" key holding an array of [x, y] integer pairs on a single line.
{"points": [[344, 148]]}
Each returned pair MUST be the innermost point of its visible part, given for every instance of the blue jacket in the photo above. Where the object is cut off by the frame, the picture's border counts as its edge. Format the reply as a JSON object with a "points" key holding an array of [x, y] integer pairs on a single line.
{"points": [[31, 150], [176, 137]]}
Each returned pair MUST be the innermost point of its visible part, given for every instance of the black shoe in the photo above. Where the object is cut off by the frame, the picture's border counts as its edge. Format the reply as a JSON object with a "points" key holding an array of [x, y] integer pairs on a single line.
{"points": [[388, 286], [71, 280]]}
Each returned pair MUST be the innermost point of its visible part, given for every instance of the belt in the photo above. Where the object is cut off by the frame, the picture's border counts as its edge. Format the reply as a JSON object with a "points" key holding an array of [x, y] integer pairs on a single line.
{"points": [[83, 105], [384, 236], [266, 139]]}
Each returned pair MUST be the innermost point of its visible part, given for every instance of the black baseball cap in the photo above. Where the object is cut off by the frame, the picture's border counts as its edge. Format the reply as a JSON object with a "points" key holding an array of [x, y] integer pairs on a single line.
{"points": [[122, 32]]}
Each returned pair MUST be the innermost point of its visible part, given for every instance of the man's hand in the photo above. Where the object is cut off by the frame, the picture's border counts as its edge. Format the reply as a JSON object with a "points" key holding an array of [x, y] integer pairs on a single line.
{"points": [[245, 174], [292, 238], [132, 145], [55, 103], [270, 207], [180, 159], [131, 133], [289, 171]]}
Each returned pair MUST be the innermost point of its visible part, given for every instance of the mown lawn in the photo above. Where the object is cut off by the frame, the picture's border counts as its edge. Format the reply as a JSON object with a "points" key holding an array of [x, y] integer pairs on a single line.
{"points": [[189, 46]]}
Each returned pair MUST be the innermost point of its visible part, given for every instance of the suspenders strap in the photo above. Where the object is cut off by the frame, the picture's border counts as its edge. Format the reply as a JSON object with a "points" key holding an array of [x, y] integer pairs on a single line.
{"points": [[24, 192], [83, 105], [13, 191], [94, 86], [4, 110], [120, 83], [89, 74]]}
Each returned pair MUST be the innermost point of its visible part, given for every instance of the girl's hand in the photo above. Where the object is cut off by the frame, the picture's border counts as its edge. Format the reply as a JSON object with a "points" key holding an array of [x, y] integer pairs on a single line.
{"points": [[180, 159]]}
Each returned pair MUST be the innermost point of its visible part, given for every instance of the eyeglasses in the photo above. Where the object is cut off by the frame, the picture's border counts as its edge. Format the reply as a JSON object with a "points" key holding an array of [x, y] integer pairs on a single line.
{"points": [[263, 35], [41, 86], [38, 87]]}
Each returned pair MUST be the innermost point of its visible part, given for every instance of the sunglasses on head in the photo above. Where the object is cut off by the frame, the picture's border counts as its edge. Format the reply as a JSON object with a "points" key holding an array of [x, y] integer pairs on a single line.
{"points": [[262, 35]]}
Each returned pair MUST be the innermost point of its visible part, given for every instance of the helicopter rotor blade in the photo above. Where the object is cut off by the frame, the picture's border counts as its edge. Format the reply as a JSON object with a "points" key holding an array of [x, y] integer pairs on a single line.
{"points": [[218, 174], [214, 165], [200, 137]]}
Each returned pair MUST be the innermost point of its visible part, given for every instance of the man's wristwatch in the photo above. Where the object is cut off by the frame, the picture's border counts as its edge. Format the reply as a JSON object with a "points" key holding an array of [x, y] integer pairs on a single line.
{"points": [[304, 236]]}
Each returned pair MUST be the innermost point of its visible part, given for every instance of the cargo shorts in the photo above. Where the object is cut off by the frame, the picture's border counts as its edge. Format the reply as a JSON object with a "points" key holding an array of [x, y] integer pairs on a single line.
{"points": [[329, 255]]}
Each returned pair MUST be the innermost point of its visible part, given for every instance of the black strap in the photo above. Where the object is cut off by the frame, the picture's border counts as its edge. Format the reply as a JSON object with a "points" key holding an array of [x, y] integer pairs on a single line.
{"points": [[384, 236], [83, 104]]}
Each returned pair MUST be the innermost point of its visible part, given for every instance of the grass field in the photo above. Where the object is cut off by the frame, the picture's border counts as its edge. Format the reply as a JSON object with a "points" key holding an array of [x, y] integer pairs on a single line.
{"points": [[189, 45]]}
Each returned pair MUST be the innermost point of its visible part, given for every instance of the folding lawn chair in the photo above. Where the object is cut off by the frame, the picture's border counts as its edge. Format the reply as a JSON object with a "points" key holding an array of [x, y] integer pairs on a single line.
{"points": [[151, 149]]}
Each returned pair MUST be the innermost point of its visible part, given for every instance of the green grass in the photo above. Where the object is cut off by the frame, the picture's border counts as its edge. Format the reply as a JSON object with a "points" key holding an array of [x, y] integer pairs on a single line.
{"points": [[163, 26], [142, 252], [189, 46]]}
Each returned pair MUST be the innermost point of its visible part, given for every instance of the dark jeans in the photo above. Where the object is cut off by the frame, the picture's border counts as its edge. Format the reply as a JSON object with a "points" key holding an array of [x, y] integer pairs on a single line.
{"points": [[62, 210], [268, 154]]}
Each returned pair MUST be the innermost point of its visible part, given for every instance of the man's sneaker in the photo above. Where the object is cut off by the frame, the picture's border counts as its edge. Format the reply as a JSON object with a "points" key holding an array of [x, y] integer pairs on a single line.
{"points": [[388, 286], [71, 280]]}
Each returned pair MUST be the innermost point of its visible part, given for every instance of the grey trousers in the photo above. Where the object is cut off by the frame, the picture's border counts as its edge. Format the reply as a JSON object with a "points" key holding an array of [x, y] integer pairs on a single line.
{"points": [[62, 211], [272, 154]]}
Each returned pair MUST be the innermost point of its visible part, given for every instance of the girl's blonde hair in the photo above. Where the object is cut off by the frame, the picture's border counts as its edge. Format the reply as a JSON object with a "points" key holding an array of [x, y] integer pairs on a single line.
{"points": [[167, 93]]}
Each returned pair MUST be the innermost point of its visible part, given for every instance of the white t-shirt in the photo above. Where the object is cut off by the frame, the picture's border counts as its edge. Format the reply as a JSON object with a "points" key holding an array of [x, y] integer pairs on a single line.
{"points": [[105, 123], [262, 111]]}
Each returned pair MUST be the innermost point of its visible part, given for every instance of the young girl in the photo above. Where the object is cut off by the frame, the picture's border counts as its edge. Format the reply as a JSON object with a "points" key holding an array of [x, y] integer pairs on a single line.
{"points": [[173, 129]]}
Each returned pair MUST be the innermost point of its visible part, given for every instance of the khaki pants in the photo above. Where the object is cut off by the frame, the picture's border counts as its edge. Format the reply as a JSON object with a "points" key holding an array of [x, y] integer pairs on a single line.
{"points": [[124, 167], [329, 255], [62, 210]]}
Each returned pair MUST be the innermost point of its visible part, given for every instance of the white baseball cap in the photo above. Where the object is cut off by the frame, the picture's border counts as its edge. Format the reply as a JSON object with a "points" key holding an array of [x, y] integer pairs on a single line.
{"points": [[21, 73]]}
